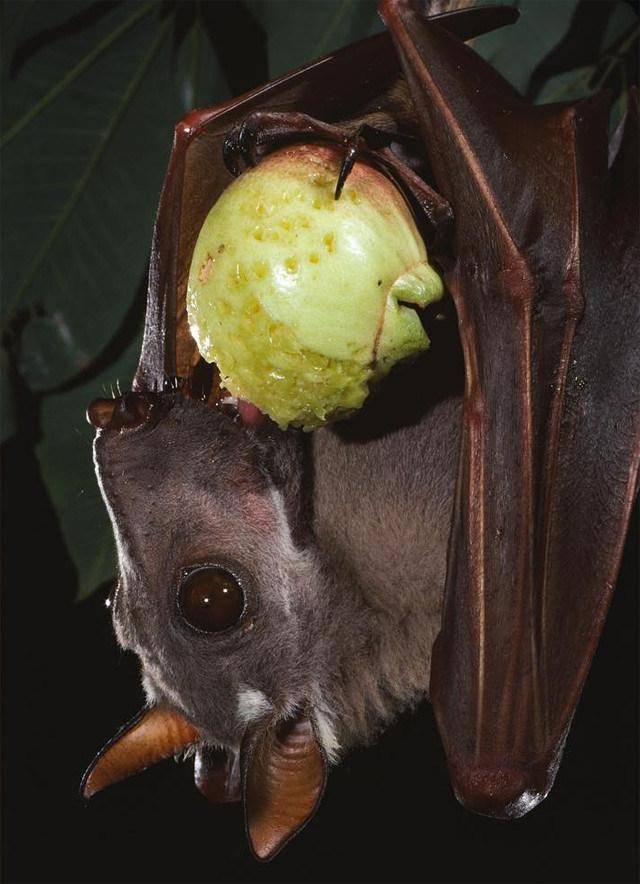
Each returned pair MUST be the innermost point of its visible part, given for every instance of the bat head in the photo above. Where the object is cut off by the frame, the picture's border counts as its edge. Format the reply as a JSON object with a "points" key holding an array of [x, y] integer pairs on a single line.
{"points": [[215, 527], [219, 595]]}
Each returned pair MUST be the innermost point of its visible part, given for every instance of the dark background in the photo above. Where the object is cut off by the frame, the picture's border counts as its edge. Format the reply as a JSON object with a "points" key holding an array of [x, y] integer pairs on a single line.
{"points": [[388, 814]]}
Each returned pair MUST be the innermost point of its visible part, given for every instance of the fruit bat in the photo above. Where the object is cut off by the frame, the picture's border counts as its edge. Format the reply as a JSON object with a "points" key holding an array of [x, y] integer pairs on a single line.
{"points": [[288, 594]]}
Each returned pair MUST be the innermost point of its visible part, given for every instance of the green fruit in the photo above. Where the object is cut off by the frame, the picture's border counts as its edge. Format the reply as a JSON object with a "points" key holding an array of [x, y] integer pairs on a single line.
{"points": [[298, 297]]}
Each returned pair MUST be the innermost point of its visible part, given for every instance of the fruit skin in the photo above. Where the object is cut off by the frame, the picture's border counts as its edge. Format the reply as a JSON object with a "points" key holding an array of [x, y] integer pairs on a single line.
{"points": [[296, 296]]}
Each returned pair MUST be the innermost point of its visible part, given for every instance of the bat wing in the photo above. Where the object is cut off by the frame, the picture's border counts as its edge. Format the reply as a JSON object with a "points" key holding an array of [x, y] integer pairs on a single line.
{"points": [[544, 275], [337, 87]]}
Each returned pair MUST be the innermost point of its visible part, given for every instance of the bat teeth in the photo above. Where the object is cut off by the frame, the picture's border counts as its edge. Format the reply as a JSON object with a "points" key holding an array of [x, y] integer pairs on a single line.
{"points": [[172, 383]]}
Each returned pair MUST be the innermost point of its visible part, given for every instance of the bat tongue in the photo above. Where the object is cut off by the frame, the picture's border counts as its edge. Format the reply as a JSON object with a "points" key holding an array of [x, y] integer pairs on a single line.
{"points": [[251, 415], [217, 775]]}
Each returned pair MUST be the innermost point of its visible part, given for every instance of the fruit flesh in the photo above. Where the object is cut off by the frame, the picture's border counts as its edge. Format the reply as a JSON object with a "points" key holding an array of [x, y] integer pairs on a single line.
{"points": [[296, 296]]}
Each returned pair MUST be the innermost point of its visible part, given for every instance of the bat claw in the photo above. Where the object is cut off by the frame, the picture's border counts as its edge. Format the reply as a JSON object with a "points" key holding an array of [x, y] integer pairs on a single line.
{"points": [[503, 793], [348, 163], [241, 144], [366, 137]]}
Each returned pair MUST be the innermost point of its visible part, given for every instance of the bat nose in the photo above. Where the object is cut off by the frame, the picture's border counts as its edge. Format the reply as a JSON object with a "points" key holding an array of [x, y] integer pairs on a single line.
{"points": [[126, 412], [503, 793]]}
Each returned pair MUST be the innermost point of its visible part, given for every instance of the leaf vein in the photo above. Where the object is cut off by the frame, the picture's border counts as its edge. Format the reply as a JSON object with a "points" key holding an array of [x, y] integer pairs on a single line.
{"points": [[91, 165]]}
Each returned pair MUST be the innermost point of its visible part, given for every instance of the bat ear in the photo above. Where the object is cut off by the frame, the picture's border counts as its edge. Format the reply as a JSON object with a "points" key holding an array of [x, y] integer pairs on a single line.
{"points": [[153, 735], [284, 774]]}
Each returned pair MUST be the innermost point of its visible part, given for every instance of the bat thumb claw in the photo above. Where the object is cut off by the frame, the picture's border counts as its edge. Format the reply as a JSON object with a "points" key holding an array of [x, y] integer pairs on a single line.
{"points": [[503, 793]]}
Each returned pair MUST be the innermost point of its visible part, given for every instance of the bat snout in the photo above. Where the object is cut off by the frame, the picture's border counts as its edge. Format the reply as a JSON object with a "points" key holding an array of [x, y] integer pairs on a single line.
{"points": [[126, 412]]}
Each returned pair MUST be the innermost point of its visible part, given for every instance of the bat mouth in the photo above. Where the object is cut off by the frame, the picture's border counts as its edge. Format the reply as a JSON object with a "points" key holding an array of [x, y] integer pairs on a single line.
{"points": [[128, 412]]}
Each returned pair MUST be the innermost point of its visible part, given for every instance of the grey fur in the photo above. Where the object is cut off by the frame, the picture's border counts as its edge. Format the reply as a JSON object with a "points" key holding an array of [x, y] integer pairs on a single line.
{"points": [[382, 515], [340, 544]]}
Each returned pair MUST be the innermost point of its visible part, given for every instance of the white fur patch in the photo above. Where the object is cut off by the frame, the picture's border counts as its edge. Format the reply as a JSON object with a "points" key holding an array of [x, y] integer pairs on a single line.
{"points": [[327, 735], [292, 558], [278, 505], [110, 512], [252, 704]]}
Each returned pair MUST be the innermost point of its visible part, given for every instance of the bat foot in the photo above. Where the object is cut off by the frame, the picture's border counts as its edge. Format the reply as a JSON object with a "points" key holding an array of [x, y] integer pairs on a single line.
{"points": [[265, 131]]}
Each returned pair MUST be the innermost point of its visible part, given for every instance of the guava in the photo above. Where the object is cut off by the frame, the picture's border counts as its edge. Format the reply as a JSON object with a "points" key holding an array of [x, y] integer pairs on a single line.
{"points": [[302, 300]]}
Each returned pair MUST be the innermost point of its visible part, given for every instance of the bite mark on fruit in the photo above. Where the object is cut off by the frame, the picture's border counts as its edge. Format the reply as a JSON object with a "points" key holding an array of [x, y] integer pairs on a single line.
{"points": [[206, 268]]}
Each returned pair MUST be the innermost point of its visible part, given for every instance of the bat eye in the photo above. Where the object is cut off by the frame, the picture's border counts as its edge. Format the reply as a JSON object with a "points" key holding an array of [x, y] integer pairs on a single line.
{"points": [[210, 599]]}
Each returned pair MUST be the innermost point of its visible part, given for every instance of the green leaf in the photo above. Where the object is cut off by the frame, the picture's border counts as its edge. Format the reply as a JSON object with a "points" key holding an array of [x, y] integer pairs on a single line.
{"points": [[82, 171], [77, 190], [66, 461], [620, 39], [298, 33], [516, 50], [89, 123]]}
